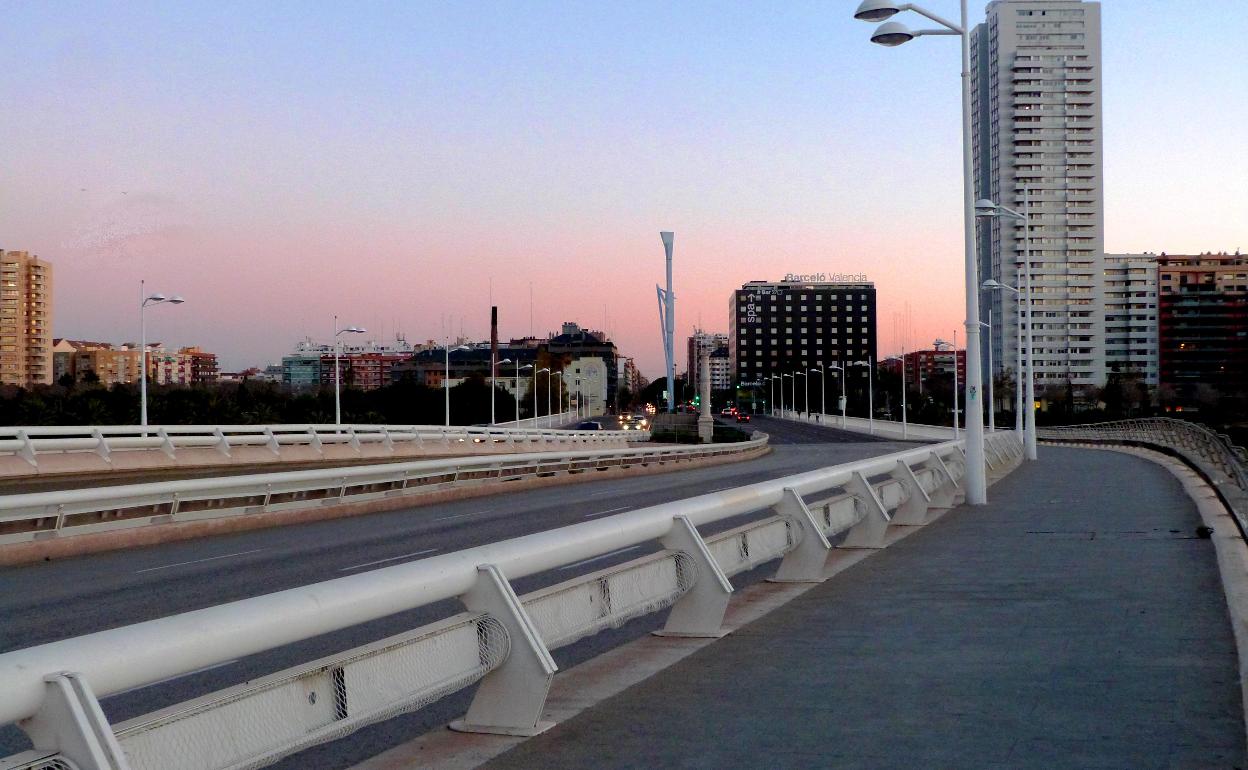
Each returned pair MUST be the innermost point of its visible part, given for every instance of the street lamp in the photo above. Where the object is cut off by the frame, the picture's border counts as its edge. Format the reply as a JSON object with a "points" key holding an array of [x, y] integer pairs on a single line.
{"points": [[892, 33], [823, 393], [550, 421], [992, 402], [793, 401], [841, 369], [338, 369], [771, 385], [871, 392], [993, 285], [954, 346], [986, 208], [446, 381], [539, 371], [518, 368], [144, 300], [493, 378]]}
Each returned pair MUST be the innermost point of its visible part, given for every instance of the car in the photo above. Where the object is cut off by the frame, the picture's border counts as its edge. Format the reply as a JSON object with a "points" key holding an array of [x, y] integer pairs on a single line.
{"points": [[726, 412], [588, 425], [742, 417]]}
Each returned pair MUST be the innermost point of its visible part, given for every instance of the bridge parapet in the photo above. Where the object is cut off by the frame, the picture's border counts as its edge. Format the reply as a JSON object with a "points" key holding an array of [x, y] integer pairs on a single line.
{"points": [[501, 640]]}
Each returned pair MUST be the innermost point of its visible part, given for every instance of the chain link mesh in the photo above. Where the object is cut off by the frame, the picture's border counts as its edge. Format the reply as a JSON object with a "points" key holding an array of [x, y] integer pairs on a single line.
{"points": [[609, 598], [744, 548], [258, 723], [38, 763]]}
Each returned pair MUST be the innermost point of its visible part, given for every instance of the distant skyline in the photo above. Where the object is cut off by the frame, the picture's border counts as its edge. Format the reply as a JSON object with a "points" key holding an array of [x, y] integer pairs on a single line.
{"points": [[278, 164]]}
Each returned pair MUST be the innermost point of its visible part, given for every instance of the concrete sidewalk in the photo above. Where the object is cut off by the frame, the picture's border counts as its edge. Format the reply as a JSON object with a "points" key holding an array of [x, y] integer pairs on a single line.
{"points": [[1076, 621]]}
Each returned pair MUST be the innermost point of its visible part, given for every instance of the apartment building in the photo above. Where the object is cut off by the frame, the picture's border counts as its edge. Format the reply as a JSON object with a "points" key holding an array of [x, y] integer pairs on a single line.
{"points": [[25, 319], [1036, 114], [1203, 326], [1131, 316], [717, 345]]}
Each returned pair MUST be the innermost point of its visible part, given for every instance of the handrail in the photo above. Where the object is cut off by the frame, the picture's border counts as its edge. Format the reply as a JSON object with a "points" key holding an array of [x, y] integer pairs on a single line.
{"points": [[850, 498]]}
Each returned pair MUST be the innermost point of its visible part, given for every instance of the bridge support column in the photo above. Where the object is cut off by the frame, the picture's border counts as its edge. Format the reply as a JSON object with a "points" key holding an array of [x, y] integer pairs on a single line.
{"points": [[71, 723], [914, 510], [510, 699], [805, 563], [700, 612], [870, 531]]}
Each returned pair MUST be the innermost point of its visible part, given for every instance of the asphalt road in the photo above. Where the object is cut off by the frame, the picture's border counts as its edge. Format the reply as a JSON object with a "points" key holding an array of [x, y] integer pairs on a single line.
{"points": [[56, 600]]}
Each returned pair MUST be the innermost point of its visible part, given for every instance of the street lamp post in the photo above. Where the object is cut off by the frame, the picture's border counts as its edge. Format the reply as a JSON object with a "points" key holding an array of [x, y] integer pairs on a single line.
{"points": [[518, 368], [992, 403], [338, 369], [892, 33], [771, 392], [986, 208], [954, 346], [539, 371], [446, 381], [1018, 350], [144, 301], [841, 369], [806, 383], [793, 400], [550, 421], [870, 393], [823, 392]]}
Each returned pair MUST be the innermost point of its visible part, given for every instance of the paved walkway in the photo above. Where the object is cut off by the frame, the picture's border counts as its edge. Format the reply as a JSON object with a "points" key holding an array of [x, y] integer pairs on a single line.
{"points": [[1074, 622]]}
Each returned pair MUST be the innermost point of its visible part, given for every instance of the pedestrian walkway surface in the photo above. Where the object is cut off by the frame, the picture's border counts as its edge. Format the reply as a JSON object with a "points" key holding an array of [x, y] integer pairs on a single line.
{"points": [[1075, 621]]}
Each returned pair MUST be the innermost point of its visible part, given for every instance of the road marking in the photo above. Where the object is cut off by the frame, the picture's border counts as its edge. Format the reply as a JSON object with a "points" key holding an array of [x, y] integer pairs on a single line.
{"points": [[459, 515], [176, 676], [198, 561], [599, 558], [604, 513], [392, 558]]}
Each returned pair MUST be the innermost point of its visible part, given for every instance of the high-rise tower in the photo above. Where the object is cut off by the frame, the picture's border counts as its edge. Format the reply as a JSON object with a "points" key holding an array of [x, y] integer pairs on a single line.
{"points": [[1036, 70]]}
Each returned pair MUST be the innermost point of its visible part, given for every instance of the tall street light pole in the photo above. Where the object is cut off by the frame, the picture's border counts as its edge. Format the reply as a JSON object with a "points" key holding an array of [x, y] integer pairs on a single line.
{"points": [[497, 364], [841, 369], [446, 381], [823, 392], [550, 421], [892, 33], [539, 371], [870, 392], [992, 403], [518, 368], [338, 369], [144, 301], [986, 208], [954, 346]]}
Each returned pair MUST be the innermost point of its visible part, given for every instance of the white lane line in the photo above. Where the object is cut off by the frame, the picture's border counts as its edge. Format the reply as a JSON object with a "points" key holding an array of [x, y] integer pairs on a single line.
{"points": [[392, 558], [599, 558], [604, 513], [604, 492], [176, 676], [459, 515], [198, 561]]}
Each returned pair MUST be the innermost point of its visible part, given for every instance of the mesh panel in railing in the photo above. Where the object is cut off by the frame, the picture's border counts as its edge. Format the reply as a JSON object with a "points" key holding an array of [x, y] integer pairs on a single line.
{"points": [[256, 724], [591, 603], [746, 547], [39, 763]]}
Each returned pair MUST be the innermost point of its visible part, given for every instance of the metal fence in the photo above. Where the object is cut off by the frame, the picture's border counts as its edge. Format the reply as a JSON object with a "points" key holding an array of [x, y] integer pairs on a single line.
{"points": [[44, 515], [67, 449], [500, 640]]}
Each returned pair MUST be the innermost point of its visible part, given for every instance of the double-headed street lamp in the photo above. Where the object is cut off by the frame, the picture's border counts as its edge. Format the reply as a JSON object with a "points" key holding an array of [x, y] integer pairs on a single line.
{"points": [[954, 346], [892, 33], [520, 368], [992, 402], [793, 402], [338, 369], [144, 300], [986, 208], [446, 381], [539, 371], [550, 421], [841, 369], [771, 385], [823, 390]]}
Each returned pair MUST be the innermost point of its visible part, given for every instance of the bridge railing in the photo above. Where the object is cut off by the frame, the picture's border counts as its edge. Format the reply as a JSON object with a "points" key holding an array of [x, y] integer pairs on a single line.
{"points": [[37, 449], [44, 515], [500, 640], [1222, 463], [882, 428]]}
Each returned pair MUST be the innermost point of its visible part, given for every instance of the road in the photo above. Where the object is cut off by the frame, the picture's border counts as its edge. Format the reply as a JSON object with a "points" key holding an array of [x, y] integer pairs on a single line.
{"points": [[56, 600]]}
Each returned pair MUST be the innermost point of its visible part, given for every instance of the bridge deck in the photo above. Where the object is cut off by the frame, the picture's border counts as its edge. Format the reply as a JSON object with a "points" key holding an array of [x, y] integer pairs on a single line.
{"points": [[1075, 621]]}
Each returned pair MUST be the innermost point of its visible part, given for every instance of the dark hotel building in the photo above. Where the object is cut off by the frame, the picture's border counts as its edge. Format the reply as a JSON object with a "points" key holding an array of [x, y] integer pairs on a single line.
{"points": [[792, 326], [1203, 324]]}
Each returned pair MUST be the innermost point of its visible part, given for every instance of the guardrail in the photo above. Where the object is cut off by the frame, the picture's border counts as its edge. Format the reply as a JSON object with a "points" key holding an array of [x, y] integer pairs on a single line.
{"points": [[544, 421], [44, 515], [76, 449], [882, 428], [501, 640], [1223, 464]]}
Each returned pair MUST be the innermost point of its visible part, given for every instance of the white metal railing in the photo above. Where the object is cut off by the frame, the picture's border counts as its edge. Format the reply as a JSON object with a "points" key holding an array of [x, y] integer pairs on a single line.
{"points": [[1214, 453], [500, 639], [882, 428], [556, 420], [42, 515], [103, 446]]}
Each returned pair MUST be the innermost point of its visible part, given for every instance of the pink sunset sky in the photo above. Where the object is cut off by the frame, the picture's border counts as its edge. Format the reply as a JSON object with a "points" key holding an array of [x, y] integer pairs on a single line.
{"points": [[388, 163]]}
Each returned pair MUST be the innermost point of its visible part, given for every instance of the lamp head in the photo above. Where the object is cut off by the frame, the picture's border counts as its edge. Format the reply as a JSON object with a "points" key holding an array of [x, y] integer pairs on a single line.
{"points": [[892, 34], [176, 299], [355, 330], [157, 297], [991, 283], [876, 10], [985, 208]]}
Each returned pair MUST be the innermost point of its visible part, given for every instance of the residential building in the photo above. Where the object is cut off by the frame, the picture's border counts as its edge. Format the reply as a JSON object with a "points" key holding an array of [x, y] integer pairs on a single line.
{"points": [[721, 372], [1037, 99], [573, 342], [1203, 327], [111, 364], [365, 365], [1131, 316], [790, 327], [587, 384], [25, 319], [925, 365]]}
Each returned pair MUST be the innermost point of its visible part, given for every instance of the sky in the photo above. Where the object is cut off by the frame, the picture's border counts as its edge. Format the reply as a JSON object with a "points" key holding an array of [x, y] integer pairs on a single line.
{"points": [[403, 164]]}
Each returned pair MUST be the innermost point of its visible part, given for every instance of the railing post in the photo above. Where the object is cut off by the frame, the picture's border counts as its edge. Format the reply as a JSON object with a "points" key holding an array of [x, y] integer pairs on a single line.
{"points": [[223, 443], [315, 441], [946, 494], [510, 699], [700, 612], [274, 445], [805, 563], [71, 723], [913, 511], [27, 452], [166, 443], [870, 530], [101, 446]]}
